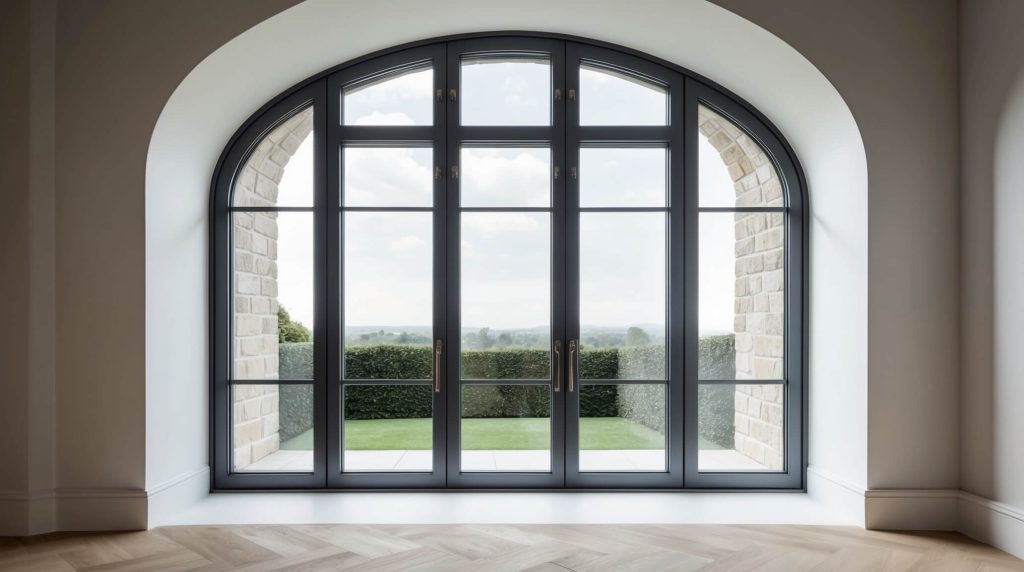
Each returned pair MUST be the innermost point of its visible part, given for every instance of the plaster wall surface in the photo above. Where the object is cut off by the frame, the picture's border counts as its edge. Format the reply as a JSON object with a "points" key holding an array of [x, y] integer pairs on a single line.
{"points": [[895, 64], [992, 203]]}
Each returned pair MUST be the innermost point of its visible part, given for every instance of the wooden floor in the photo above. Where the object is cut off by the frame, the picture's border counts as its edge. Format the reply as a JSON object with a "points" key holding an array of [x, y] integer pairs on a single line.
{"points": [[503, 547]]}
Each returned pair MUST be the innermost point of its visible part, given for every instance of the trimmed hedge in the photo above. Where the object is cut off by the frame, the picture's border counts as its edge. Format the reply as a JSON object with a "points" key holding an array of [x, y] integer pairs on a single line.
{"points": [[643, 404]]}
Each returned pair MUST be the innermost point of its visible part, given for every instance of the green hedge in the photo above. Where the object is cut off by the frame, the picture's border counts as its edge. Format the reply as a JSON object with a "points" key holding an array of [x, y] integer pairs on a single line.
{"points": [[643, 403]]}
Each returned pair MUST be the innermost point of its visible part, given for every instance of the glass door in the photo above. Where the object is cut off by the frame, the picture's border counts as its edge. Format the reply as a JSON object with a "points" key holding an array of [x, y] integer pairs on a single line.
{"points": [[624, 425], [386, 276], [505, 261]]}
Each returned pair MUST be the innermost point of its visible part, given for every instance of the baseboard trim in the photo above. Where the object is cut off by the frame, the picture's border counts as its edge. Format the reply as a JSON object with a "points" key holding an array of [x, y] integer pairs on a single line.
{"points": [[841, 495], [992, 522], [171, 496], [911, 509]]}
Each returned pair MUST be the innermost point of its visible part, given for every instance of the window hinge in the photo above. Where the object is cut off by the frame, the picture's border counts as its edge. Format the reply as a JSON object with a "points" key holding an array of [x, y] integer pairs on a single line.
{"points": [[437, 173], [451, 94], [558, 170], [440, 95], [572, 95], [558, 95], [455, 171], [572, 172]]}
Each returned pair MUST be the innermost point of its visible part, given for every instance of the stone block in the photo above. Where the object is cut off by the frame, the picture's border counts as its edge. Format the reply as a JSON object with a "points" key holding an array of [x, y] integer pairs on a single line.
{"points": [[769, 346], [774, 324], [268, 287], [247, 325], [745, 247], [755, 283], [774, 259], [261, 306], [270, 424], [761, 302], [744, 342], [260, 244], [755, 323], [776, 302], [246, 432], [774, 281], [242, 457], [769, 239], [265, 446], [242, 304]]}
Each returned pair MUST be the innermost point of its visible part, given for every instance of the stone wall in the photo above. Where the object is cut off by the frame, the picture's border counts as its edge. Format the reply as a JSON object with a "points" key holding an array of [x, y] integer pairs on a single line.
{"points": [[255, 422], [759, 320]]}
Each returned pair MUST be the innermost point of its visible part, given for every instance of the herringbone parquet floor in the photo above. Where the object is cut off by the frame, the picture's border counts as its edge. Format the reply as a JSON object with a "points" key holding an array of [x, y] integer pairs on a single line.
{"points": [[503, 547]]}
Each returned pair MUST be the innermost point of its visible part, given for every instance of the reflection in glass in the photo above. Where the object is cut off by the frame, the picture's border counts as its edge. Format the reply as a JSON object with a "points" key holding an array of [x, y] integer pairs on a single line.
{"points": [[506, 428], [279, 171], [622, 427], [506, 295], [506, 177], [734, 171], [272, 428], [388, 176], [740, 427], [630, 177], [741, 296], [613, 97], [405, 98], [388, 428], [506, 91], [273, 295], [622, 295], [388, 307]]}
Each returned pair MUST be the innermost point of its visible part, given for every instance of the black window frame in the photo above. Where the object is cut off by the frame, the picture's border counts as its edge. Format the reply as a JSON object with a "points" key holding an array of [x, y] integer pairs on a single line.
{"points": [[686, 90]]}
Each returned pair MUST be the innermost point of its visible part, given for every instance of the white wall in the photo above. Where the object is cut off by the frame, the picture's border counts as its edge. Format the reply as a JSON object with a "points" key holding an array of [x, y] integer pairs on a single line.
{"points": [[992, 202], [205, 109]]}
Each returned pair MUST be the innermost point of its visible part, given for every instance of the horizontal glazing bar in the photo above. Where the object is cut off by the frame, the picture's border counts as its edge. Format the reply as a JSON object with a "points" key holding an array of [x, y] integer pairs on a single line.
{"points": [[624, 209], [397, 133], [506, 382], [741, 381], [539, 135], [387, 209], [611, 133], [271, 209], [622, 381], [271, 382], [742, 209], [506, 209], [386, 382]]}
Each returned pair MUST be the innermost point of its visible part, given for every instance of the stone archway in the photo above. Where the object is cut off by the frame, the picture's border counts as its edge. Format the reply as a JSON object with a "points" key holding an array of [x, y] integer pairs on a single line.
{"points": [[759, 313], [256, 432]]}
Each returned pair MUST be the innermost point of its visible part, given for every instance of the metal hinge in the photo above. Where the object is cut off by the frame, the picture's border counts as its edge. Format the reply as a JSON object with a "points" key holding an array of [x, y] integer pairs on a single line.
{"points": [[572, 95], [437, 173], [455, 171], [452, 95], [440, 95], [558, 95], [558, 170], [572, 172]]}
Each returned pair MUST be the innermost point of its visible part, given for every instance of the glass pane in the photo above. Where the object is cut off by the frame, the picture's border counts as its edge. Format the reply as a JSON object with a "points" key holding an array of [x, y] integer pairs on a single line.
{"points": [[506, 177], [506, 91], [622, 427], [622, 295], [272, 428], [273, 295], [405, 98], [506, 428], [612, 97], [279, 171], [734, 171], [740, 428], [388, 306], [388, 176], [506, 295], [623, 177], [388, 428], [742, 304]]}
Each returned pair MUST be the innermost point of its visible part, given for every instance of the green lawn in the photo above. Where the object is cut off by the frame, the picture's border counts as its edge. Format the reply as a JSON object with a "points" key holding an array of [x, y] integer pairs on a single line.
{"points": [[497, 434]]}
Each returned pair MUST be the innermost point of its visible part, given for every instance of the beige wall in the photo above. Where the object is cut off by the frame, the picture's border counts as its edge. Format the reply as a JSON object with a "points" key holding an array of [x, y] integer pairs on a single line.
{"points": [[992, 178], [895, 65]]}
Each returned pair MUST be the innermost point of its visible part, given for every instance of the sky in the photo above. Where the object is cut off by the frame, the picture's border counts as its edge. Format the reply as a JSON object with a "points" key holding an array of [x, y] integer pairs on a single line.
{"points": [[506, 264]]}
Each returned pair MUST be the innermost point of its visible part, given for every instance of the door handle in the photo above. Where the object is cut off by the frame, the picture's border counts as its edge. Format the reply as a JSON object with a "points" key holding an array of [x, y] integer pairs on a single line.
{"points": [[572, 363], [558, 366], [437, 366]]}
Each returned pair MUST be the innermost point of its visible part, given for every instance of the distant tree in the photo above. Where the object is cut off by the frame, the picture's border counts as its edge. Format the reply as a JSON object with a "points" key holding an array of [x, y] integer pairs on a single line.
{"points": [[504, 340], [289, 331], [637, 337]]}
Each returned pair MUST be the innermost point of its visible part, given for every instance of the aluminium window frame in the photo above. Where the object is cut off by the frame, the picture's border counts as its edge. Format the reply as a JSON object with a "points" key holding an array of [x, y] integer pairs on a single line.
{"points": [[318, 91]]}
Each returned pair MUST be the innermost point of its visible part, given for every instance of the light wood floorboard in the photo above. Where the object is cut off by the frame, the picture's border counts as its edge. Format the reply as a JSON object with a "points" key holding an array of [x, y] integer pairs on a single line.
{"points": [[503, 547]]}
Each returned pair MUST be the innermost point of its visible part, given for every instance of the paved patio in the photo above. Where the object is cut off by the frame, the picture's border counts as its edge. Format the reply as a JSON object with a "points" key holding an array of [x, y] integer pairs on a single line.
{"points": [[508, 460]]}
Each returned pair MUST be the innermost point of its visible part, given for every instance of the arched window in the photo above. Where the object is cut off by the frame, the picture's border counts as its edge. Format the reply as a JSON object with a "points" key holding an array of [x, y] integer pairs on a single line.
{"points": [[508, 261]]}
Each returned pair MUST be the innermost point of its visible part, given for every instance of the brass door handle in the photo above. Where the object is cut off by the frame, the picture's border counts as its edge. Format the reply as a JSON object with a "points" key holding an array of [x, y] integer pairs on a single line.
{"points": [[558, 365], [572, 363], [437, 366]]}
